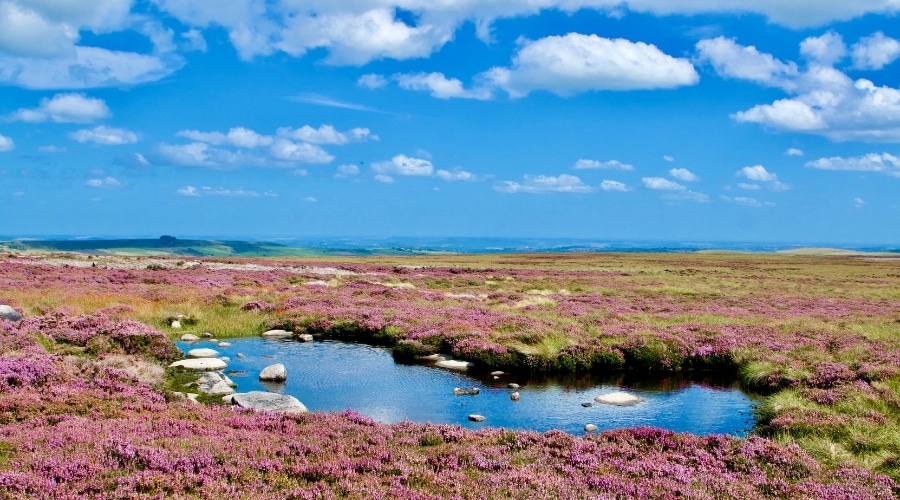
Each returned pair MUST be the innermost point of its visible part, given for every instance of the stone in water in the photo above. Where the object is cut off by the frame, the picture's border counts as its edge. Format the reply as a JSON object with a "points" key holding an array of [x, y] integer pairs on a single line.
{"points": [[618, 398], [200, 364], [452, 364], [476, 418], [203, 353], [274, 373]]}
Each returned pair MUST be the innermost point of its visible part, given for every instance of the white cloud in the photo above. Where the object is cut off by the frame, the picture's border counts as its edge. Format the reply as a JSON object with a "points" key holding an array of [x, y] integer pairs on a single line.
{"points": [[823, 101], [310, 199], [321, 100], [440, 86], [858, 202], [574, 63], [608, 185], [51, 149], [327, 134], [668, 158], [456, 175], [662, 184], [882, 163], [875, 52], [372, 81], [747, 202], [564, 183], [24, 32], [385, 179], [686, 195], [192, 41], [683, 174], [106, 182], [826, 49], [749, 187], [793, 152], [585, 164], [105, 135], [285, 150], [64, 108], [347, 171], [238, 193], [238, 137], [757, 173], [404, 165], [6, 144]]}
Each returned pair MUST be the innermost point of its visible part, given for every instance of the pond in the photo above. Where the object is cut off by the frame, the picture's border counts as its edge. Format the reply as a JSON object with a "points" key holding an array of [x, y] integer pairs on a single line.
{"points": [[336, 376]]}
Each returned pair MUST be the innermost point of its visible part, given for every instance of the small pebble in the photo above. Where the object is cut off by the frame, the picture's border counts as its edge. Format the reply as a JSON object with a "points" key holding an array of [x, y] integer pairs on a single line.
{"points": [[587, 405], [514, 396]]}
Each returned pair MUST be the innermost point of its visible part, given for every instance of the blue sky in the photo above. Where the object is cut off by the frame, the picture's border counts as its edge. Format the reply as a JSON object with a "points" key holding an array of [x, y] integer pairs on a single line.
{"points": [[748, 120]]}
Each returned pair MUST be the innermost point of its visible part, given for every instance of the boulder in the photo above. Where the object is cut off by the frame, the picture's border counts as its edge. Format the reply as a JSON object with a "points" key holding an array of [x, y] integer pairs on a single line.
{"points": [[8, 313], [590, 428], [455, 365], [476, 418], [200, 364], [512, 386], [189, 337], [274, 373], [277, 333], [305, 337], [214, 384], [176, 324], [618, 398], [269, 401], [514, 396], [203, 353], [466, 392]]}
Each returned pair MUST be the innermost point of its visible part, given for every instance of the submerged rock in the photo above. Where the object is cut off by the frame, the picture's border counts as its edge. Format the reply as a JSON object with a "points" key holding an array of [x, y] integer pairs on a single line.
{"points": [[476, 418], [269, 401], [274, 373], [8, 313], [203, 353], [618, 398], [200, 364], [277, 333], [466, 392], [455, 365]]}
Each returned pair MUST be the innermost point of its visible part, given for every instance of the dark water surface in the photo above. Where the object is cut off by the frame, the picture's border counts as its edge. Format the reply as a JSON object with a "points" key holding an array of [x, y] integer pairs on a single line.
{"points": [[336, 376]]}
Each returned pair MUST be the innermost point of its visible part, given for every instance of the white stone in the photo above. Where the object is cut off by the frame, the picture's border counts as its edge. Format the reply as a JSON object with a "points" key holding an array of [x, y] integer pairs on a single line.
{"points": [[274, 373], [227, 399], [618, 398], [176, 324], [189, 337], [498, 373], [277, 333], [203, 353], [316, 283], [514, 396], [590, 428], [512, 386], [269, 401], [225, 358], [476, 418], [455, 365], [214, 384], [224, 344], [7, 312], [305, 337], [200, 364], [435, 357]]}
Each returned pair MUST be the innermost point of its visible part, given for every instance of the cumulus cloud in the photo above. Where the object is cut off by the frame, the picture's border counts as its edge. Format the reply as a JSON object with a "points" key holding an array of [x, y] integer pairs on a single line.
{"points": [[822, 100], [574, 63], [327, 134], [192, 40], [347, 171], [884, 163], [6, 144], [875, 52], [441, 87], [661, 184], [686, 195], [608, 185], [384, 179], [747, 201], [404, 165], [585, 164], [238, 137], [793, 152], [105, 135], [757, 173], [64, 108], [456, 175], [106, 182], [210, 191], [289, 151], [564, 183], [683, 174], [372, 81], [747, 186]]}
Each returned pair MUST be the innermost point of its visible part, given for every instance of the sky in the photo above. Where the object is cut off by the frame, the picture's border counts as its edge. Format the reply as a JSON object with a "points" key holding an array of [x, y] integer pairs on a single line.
{"points": [[657, 120]]}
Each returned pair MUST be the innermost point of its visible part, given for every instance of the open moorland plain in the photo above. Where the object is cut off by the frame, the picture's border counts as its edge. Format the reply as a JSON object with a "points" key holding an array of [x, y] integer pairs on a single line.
{"points": [[87, 408]]}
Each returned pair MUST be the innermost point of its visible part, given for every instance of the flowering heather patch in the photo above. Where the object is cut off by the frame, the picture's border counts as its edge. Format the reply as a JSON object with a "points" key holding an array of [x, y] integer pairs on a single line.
{"points": [[823, 334]]}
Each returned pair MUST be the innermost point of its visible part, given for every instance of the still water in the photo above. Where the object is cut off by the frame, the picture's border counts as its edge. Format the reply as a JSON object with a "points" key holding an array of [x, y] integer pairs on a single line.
{"points": [[336, 376]]}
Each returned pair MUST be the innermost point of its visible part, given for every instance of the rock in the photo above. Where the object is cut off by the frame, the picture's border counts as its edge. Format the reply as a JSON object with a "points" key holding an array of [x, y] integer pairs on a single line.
{"points": [[189, 337], [269, 401], [206, 335], [189, 396], [225, 358], [227, 399], [455, 365], [435, 357], [618, 398], [274, 334], [498, 373], [240, 356], [203, 353], [512, 386], [590, 428], [496, 377], [466, 392], [274, 373], [305, 337], [514, 396], [176, 324], [200, 364], [224, 344], [8, 313], [316, 283], [215, 341], [476, 418], [587, 405], [214, 384]]}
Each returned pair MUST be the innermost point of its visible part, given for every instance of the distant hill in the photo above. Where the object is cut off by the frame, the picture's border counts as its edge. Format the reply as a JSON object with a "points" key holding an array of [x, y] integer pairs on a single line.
{"points": [[166, 245]]}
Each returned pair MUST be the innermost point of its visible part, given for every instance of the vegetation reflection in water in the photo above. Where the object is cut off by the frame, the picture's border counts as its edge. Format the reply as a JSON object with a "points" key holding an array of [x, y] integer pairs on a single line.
{"points": [[335, 376]]}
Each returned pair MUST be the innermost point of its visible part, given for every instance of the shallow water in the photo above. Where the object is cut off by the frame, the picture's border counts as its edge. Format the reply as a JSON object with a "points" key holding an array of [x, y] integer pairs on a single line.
{"points": [[335, 376]]}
